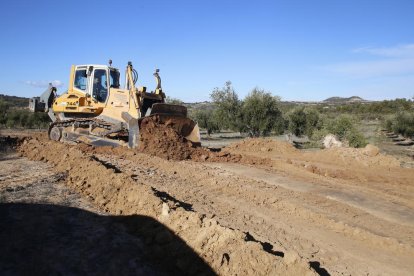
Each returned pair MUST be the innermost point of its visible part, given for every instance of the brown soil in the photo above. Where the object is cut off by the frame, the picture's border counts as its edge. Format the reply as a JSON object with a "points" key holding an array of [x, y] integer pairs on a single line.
{"points": [[263, 146], [256, 207], [49, 228], [163, 141], [227, 251]]}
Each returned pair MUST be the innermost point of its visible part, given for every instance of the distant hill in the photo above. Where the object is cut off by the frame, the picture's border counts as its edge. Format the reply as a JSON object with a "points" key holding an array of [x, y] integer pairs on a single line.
{"points": [[15, 102], [353, 99]]}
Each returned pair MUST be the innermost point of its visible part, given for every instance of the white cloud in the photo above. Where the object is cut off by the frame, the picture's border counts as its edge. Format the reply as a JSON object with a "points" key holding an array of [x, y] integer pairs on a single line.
{"points": [[375, 68], [55, 83], [385, 88], [391, 61], [399, 51]]}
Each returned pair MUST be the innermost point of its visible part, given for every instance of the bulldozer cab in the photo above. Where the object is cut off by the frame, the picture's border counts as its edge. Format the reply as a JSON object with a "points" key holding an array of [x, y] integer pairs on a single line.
{"points": [[95, 80]]}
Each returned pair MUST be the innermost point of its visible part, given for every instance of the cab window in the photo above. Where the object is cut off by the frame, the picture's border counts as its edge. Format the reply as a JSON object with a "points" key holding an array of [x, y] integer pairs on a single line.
{"points": [[80, 79], [100, 85], [114, 79]]}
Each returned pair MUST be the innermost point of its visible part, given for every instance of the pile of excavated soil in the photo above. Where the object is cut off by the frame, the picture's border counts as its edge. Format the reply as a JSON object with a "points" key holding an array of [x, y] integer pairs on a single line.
{"points": [[334, 162], [262, 145], [163, 141], [226, 251], [190, 152], [365, 157]]}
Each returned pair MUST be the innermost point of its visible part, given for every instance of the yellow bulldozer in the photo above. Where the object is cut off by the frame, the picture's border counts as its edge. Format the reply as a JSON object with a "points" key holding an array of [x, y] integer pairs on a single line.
{"points": [[97, 111]]}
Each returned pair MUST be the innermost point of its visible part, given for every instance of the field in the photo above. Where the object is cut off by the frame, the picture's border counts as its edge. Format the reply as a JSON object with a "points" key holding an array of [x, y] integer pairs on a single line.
{"points": [[207, 138], [257, 206]]}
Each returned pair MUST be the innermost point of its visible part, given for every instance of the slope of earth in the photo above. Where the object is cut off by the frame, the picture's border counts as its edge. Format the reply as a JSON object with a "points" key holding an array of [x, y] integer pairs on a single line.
{"points": [[48, 228], [345, 211], [259, 206], [367, 194], [204, 246]]}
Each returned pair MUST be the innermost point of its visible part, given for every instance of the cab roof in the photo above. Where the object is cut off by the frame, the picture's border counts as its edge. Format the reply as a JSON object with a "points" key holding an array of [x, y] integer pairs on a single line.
{"points": [[96, 66]]}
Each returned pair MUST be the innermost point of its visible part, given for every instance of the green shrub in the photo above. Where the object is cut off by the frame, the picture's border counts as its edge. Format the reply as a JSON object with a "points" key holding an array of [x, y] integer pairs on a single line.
{"points": [[344, 128], [170, 100], [319, 134], [207, 118], [4, 107], [297, 121], [260, 113], [340, 126], [304, 121], [403, 124], [280, 125], [228, 107], [388, 123], [355, 138], [313, 121], [21, 118]]}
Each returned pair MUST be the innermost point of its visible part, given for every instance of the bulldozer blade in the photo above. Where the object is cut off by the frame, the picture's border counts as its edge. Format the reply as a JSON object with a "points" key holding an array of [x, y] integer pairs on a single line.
{"points": [[169, 109], [182, 125], [133, 130], [194, 136]]}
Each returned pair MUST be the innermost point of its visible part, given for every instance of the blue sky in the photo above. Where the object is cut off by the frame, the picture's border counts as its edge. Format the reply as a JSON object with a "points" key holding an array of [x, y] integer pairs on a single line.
{"points": [[299, 50]]}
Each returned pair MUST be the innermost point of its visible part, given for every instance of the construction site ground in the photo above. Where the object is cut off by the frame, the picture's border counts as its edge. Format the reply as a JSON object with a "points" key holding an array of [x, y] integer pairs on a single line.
{"points": [[258, 206]]}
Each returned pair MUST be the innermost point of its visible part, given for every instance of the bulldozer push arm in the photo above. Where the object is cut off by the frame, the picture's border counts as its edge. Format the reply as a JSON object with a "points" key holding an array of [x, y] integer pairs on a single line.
{"points": [[132, 121]]}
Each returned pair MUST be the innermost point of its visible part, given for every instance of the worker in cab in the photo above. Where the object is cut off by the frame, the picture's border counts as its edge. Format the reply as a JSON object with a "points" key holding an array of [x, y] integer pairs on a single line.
{"points": [[100, 87]]}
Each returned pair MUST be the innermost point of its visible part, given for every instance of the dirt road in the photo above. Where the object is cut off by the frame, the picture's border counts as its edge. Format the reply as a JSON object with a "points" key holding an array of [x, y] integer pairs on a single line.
{"points": [[274, 210]]}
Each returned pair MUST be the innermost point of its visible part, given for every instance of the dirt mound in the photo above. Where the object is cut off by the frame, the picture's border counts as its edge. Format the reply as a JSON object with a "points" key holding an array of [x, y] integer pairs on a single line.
{"points": [[263, 145], [190, 152], [227, 251], [163, 141], [366, 157]]}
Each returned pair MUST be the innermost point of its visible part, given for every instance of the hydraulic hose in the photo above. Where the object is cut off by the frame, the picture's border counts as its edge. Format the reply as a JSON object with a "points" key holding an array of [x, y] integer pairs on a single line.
{"points": [[135, 76]]}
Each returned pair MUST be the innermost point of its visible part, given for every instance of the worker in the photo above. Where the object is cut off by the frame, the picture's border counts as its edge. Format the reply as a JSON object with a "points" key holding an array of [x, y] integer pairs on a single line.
{"points": [[100, 90]]}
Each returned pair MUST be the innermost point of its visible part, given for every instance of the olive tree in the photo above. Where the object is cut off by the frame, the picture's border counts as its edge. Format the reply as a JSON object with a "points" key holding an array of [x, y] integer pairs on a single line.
{"points": [[260, 112], [297, 121], [304, 121], [207, 118], [171, 100], [3, 112], [228, 107]]}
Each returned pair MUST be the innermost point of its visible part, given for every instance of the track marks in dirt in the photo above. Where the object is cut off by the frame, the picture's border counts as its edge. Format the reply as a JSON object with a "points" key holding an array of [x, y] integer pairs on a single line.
{"points": [[355, 197], [271, 213], [224, 249], [332, 236]]}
